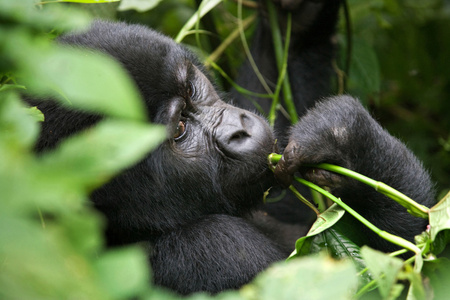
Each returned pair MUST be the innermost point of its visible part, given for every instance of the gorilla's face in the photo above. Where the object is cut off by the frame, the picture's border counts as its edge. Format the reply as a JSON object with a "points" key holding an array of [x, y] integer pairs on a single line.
{"points": [[215, 157]]}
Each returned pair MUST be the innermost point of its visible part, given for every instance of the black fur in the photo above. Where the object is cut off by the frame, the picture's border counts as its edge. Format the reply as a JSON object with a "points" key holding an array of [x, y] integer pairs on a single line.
{"points": [[195, 198]]}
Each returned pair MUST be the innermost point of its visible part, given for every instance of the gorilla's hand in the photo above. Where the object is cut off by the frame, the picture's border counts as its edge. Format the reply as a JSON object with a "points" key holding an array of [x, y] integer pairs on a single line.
{"points": [[341, 132], [338, 131]]}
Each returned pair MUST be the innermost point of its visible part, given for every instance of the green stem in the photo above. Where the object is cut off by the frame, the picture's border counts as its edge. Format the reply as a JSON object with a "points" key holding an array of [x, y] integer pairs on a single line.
{"points": [[204, 8], [235, 85], [275, 158], [281, 54], [303, 199], [41, 217], [227, 42], [319, 200], [413, 207], [248, 53], [383, 234], [272, 161], [365, 289]]}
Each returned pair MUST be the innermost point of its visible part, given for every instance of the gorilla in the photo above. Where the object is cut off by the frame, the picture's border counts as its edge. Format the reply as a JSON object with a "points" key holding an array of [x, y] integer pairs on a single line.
{"points": [[197, 200]]}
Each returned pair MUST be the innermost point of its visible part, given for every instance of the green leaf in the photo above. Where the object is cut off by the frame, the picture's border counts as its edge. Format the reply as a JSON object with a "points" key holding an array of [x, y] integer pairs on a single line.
{"points": [[37, 264], [83, 1], [315, 277], [416, 289], [138, 5], [36, 114], [61, 179], [83, 229], [438, 273], [19, 130], [365, 76], [441, 240], [341, 247], [7, 87], [324, 221], [77, 78], [440, 216], [124, 272], [92, 157], [327, 219], [385, 270], [25, 13]]}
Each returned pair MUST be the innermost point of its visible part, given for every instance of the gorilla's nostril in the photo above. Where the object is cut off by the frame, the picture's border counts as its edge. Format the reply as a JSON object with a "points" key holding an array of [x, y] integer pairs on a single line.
{"points": [[239, 135]]}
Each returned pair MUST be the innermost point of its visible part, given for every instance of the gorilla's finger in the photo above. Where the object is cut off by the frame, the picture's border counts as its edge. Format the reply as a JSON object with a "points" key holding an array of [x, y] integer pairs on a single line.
{"points": [[288, 164]]}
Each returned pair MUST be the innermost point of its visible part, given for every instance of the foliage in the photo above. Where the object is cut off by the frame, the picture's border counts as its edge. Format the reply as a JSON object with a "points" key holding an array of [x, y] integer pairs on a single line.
{"points": [[51, 243]]}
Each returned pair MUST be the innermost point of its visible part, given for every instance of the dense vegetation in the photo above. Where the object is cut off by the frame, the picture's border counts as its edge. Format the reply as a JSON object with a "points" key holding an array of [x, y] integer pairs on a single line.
{"points": [[51, 243]]}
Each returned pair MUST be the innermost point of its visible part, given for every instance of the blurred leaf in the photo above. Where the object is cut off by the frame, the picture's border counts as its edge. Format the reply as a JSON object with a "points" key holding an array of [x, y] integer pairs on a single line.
{"points": [[36, 114], [440, 216], [138, 5], [82, 79], [82, 1], [365, 76], [315, 277], [385, 270], [437, 271], [441, 240], [19, 129], [26, 13], [6, 87], [92, 157], [416, 289], [124, 272], [83, 229], [37, 265]]}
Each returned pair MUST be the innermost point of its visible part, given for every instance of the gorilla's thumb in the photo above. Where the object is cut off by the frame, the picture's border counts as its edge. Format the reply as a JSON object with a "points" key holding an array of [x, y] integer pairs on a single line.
{"points": [[288, 165]]}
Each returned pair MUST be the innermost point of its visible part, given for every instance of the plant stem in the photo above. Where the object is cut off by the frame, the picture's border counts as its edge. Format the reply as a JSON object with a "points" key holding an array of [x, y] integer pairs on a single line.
{"points": [[413, 207], [281, 54], [274, 158], [303, 199], [235, 85], [319, 200], [231, 37], [383, 234], [271, 161], [248, 53], [204, 8]]}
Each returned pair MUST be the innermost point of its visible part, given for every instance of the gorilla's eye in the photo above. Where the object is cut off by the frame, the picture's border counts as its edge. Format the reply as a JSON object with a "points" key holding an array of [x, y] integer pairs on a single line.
{"points": [[180, 131], [190, 90]]}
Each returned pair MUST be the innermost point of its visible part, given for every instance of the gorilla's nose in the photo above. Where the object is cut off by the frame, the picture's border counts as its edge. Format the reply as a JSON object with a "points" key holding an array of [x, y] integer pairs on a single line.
{"points": [[242, 133]]}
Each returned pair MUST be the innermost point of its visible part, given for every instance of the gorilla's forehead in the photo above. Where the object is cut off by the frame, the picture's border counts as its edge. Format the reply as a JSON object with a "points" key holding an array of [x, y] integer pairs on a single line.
{"points": [[150, 57], [161, 68]]}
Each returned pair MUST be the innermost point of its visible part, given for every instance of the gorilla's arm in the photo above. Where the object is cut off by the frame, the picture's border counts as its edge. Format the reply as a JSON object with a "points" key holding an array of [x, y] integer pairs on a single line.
{"points": [[340, 131], [215, 253], [310, 56]]}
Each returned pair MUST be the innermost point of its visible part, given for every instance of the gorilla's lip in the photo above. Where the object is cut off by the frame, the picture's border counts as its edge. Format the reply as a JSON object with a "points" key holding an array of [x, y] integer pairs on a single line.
{"points": [[265, 177]]}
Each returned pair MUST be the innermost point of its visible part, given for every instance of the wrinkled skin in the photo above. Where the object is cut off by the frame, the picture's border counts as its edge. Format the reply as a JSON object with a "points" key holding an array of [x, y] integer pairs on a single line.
{"points": [[197, 198]]}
